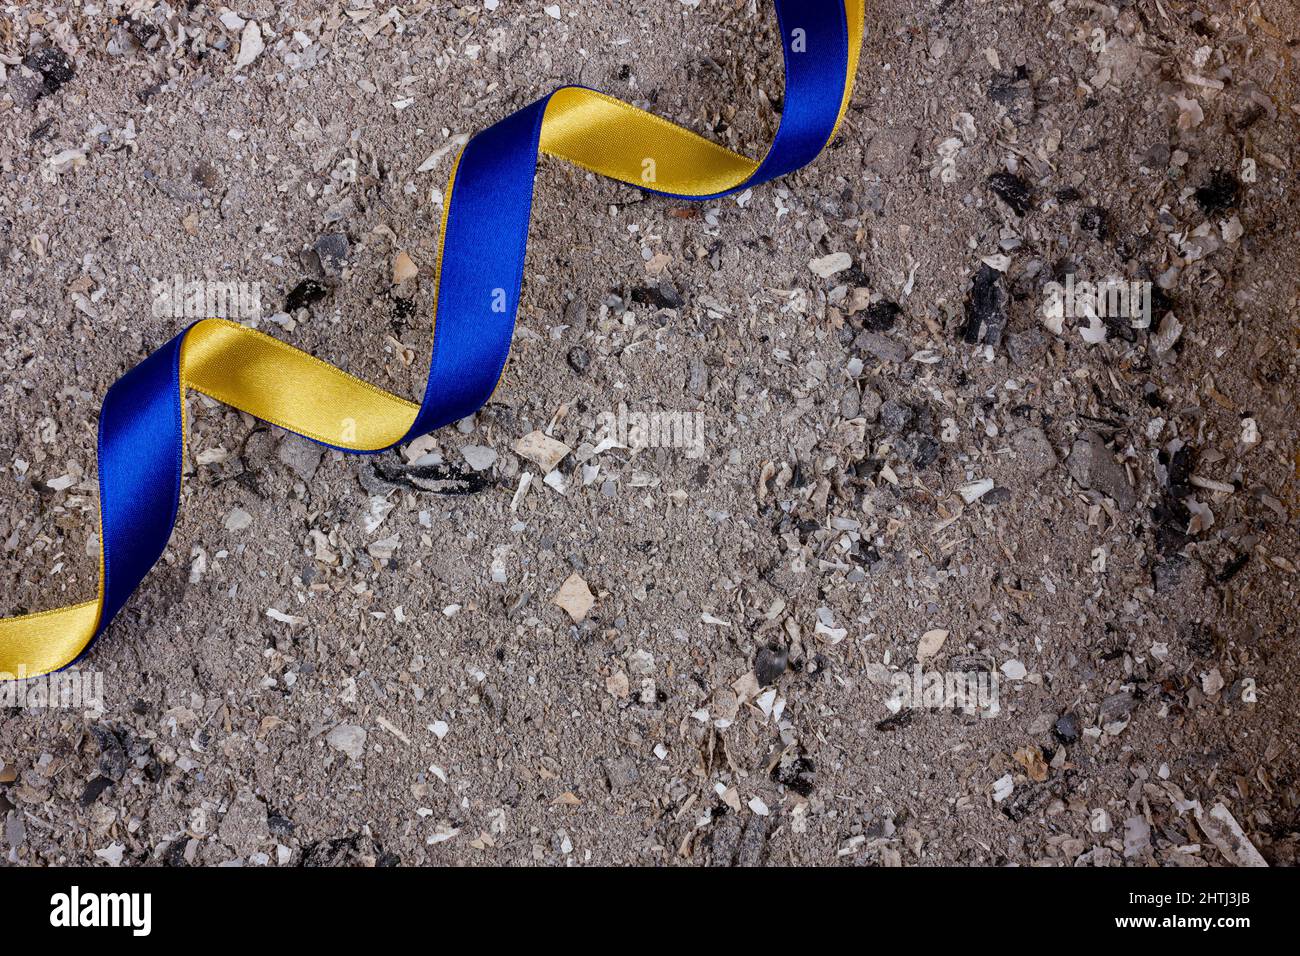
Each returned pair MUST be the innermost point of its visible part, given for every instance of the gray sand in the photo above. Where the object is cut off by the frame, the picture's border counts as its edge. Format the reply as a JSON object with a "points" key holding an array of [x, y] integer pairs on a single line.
{"points": [[296, 684]]}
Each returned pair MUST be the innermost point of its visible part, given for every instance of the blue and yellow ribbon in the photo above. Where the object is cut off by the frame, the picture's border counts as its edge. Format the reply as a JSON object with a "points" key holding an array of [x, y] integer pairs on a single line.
{"points": [[142, 424]]}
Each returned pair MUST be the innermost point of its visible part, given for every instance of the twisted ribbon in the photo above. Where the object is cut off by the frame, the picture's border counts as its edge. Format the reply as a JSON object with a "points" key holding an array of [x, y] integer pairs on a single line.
{"points": [[488, 201]]}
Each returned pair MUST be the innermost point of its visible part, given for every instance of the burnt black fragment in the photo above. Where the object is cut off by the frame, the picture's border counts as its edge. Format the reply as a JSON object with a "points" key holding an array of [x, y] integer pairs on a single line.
{"points": [[897, 722], [1094, 219], [881, 316], [1129, 247], [41, 132], [1170, 518], [769, 663], [328, 853], [867, 468], [1007, 89], [1232, 568], [113, 759], [304, 294], [1179, 469], [52, 65], [795, 773], [1067, 728], [141, 30], [443, 479], [986, 308], [926, 451], [806, 528], [174, 855], [896, 417], [1248, 117], [1026, 801], [332, 250], [1162, 303], [660, 296], [402, 309], [1119, 327], [1015, 94], [865, 556], [1013, 191], [579, 359], [1219, 192], [1199, 641], [1063, 268], [93, 789]]}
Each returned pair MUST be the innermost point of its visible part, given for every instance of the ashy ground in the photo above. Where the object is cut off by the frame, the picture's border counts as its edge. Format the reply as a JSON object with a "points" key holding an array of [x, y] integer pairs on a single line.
{"points": [[908, 459]]}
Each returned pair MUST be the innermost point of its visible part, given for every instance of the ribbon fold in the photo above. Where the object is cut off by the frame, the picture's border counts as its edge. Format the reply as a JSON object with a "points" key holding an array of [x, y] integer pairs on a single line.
{"points": [[486, 211]]}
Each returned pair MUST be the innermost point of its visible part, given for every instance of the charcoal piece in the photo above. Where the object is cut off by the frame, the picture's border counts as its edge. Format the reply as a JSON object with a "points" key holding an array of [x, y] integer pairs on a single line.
{"points": [[1067, 728], [795, 774], [1013, 191], [52, 65], [660, 296], [579, 359], [881, 316], [986, 308], [305, 293], [1219, 193], [1094, 220], [769, 663]]}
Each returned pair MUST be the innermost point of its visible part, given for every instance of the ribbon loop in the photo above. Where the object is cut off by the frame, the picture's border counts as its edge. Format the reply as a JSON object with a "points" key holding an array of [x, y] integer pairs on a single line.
{"points": [[487, 206]]}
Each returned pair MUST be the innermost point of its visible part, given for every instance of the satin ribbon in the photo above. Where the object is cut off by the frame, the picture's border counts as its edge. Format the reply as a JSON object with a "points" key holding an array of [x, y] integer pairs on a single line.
{"points": [[488, 201]]}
